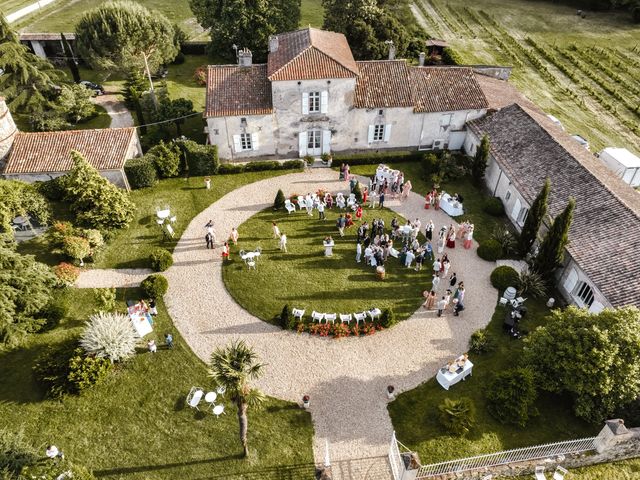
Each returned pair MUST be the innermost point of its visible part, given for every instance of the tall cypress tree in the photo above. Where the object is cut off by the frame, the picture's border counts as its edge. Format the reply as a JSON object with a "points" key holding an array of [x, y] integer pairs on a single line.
{"points": [[551, 251], [71, 61], [534, 219], [480, 160]]}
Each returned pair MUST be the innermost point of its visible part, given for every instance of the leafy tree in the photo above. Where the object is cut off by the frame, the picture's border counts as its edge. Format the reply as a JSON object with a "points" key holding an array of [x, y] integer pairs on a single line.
{"points": [[480, 160], [97, 202], [234, 367], [174, 110], [77, 248], [75, 102], [551, 251], [534, 219], [247, 24], [109, 335], [166, 157], [134, 88], [594, 358], [124, 35], [71, 61], [21, 199], [511, 396], [28, 81], [25, 290]]}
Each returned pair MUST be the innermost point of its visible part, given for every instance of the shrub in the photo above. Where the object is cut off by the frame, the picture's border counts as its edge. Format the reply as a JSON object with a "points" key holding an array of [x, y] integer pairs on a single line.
{"points": [[262, 166], [511, 396], [109, 335], [52, 189], [105, 299], [457, 416], [66, 274], [160, 260], [375, 158], [503, 277], [15, 452], [493, 206], [278, 203], [308, 159], [451, 57], [76, 247], [490, 250], [200, 75], [532, 283], [86, 371], [287, 320], [340, 330], [141, 172], [388, 318], [166, 158], [200, 159], [325, 157], [51, 369], [505, 238], [292, 164], [94, 237], [155, 286], [230, 168], [357, 191], [481, 341]]}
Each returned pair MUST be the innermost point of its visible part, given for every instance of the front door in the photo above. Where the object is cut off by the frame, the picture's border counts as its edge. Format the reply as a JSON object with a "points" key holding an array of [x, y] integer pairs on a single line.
{"points": [[314, 142]]}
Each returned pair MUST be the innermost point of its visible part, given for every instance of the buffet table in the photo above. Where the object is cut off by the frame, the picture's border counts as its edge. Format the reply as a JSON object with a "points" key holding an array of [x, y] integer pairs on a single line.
{"points": [[140, 320], [446, 378], [452, 207]]}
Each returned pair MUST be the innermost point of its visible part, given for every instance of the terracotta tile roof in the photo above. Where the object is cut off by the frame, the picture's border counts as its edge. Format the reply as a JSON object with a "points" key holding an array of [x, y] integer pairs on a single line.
{"points": [[45, 152], [383, 84], [309, 54], [234, 90], [603, 239], [446, 89]]}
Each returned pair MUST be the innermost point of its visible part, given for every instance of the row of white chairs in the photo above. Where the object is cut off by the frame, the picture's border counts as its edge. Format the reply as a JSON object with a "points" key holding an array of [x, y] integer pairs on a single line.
{"points": [[344, 318], [302, 203]]}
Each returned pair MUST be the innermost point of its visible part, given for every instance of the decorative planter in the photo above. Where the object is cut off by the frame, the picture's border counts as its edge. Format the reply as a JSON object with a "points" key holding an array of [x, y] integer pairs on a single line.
{"points": [[305, 401], [390, 392]]}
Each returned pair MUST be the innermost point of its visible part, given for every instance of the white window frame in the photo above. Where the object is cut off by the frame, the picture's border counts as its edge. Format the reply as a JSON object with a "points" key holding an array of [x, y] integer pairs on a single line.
{"points": [[583, 294], [245, 142], [378, 132], [315, 102], [522, 216]]}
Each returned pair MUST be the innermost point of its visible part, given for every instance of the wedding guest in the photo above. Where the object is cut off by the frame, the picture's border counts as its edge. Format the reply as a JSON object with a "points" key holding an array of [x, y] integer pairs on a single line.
{"points": [[373, 198], [321, 211], [451, 237], [328, 199], [419, 260], [446, 265], [382, 199], [428, 250], [234, 236], [437, 265], [438, 199], [358, 251], [453, 279], [153, 309], [340, 223], [365, 195], [276, 230], [468, 238], [458, 307], [442, 304], [408, 260], [225, 250], [447, 298], [209, 239], [435, 283], [210, 231], [341, 177], [406, 189], [308, 200], [431, 300], [358, 212], [428, 231], [368, 253], [348, 220], [151, 345], [347, 172], [283, 242], [168, 340]]}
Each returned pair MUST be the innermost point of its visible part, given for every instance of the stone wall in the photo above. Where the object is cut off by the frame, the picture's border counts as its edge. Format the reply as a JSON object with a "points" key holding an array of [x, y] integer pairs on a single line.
{"points": [[8, 129]]}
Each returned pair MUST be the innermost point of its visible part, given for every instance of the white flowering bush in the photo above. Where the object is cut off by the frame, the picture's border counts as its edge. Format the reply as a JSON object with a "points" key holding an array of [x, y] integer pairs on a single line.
{"points": [[109, 335]]}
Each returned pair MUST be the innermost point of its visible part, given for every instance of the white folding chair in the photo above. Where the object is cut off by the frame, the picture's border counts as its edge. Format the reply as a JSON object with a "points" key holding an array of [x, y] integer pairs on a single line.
{"points": [[330, 317], [374, 313], [220, 390], [345, 318], [173, 219], [289, 206], [521, 300], [251, 263], [503, 301], [170, 230], [297, 313], [539, 473], [218, 410], [360, 317], [560, 473], [317, 317], [194, 397]]}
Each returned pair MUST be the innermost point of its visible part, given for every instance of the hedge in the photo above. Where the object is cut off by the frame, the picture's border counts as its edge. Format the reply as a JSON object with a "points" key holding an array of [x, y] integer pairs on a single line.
{"points": [[490, 250], [258, 166], [155, 286], [374, 158], [141, 172], [160, 259], [201, 159]]}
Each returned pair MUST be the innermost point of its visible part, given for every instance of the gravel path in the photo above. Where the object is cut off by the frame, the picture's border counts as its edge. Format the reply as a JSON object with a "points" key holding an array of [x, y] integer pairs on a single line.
{"points": [[121, 278], [120, 116], [346, 379]]}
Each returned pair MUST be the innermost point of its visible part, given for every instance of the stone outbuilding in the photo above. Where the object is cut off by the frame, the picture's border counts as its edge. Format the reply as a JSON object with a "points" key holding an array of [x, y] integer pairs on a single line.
{"points": [[41, 156]]}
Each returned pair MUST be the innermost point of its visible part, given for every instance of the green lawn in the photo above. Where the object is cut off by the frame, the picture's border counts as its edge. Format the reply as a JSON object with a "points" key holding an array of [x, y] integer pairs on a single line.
{"points": [[473, 197], [551, 25], [130, 248], [306, 279], [415, 413], [136, 424], [11, 6], [311, 13]]}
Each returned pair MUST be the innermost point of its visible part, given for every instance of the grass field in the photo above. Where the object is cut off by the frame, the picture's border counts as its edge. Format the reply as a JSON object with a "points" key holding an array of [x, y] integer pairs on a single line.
{"points": [[136, 425], [311, 13], [581, 70], [307, 279], [12, 6]]}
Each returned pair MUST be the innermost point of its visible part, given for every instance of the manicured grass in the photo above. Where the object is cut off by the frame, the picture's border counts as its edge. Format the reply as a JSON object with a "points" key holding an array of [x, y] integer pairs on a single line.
{"points": [[311, 13], [12, 6], [305, 278], [136, 424], [130, 248], [415, 413], [484, 223]]}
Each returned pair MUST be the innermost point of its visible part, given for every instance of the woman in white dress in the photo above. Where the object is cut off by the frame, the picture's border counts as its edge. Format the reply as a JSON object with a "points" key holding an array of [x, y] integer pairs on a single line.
{"points": [[276, 230], [340, 203], [468, 238]]}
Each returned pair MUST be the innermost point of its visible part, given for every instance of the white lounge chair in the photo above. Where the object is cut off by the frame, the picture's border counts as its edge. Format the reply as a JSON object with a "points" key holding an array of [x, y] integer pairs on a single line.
{"points": [[539, 473], [360, 317], [345, 318], [560, 473], [330, 317], [289, 206], [194, 397], [374, 313], [297, 313], [317, 316]]}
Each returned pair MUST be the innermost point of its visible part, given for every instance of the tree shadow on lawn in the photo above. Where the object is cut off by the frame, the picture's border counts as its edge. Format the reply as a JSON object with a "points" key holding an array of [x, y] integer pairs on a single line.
{"points": [[17, 383]]}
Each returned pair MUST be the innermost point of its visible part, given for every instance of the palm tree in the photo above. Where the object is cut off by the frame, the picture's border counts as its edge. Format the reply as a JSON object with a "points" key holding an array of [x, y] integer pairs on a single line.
{"points": [[233, 367]]}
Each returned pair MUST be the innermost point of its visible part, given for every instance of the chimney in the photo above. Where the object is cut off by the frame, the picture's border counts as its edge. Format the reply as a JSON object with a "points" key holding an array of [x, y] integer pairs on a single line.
{"points": [[245, 57], [392, 49], [273, 43], [421, 59], [8, 129]]}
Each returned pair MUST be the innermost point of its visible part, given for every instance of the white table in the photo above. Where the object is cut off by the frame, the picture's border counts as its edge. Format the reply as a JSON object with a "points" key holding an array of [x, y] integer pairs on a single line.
{"points": [[162, 214], [446, 379], [210, 397], [250, 255], [140, 321], [21, 222], [328, 248], [450, 206]]}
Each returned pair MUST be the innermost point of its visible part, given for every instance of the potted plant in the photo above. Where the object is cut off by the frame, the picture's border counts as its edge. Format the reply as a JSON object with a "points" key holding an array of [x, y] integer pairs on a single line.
{"points": [[309, 160], [326, 158], [390, 390], [305, 401]]}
